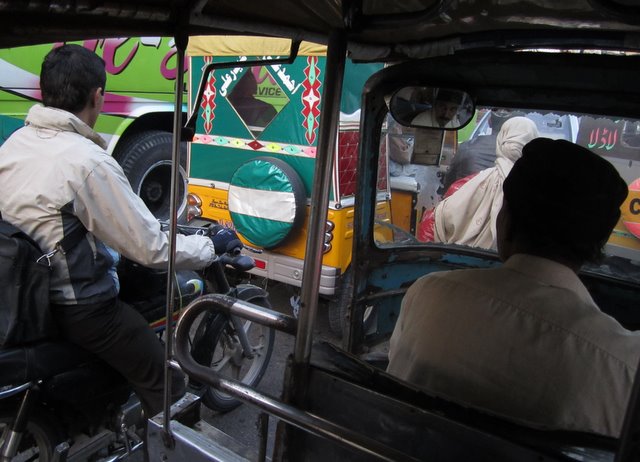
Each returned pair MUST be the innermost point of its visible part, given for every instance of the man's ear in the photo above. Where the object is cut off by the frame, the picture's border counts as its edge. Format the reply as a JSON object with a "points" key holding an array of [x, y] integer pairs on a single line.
{"points": [[96, 97]]}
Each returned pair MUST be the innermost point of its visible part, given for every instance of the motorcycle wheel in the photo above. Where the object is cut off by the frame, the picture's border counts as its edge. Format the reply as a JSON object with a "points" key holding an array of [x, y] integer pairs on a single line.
{"points": [[38, 441], [220, 349]]}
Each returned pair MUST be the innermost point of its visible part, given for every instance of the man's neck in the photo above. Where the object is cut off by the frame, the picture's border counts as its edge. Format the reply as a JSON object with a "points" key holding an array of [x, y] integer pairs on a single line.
{"points": [[87, 116], [528, 250]]}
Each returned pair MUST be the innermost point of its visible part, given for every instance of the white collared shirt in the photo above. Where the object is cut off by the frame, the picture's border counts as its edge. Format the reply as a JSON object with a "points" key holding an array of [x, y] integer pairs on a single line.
{"points": [[524, 341]]}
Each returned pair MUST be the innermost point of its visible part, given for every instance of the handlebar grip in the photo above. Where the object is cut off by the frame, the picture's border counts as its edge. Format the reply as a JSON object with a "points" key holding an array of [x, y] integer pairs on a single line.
{"points": [[239, 262]]}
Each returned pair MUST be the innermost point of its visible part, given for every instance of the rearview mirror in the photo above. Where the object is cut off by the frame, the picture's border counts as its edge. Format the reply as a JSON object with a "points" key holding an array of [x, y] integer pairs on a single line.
{"points": [[432, 107]]}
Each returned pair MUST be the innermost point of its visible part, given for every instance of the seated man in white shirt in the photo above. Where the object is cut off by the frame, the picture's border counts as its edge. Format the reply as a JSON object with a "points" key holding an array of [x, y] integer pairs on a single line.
{"points": [[444, 112], [526, 341]]}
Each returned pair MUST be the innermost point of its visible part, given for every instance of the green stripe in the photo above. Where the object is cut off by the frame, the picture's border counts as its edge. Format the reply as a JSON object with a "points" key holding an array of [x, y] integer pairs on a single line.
{"points": [[262, 175], [260, 231]]}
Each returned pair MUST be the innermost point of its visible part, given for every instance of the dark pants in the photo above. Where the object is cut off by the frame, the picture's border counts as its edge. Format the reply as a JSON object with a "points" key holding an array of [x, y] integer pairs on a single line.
{"points": [[119, 335]]}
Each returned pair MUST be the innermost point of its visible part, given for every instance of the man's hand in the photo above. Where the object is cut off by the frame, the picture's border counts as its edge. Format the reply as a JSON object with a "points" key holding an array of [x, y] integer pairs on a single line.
{"points": [[225, 240]]}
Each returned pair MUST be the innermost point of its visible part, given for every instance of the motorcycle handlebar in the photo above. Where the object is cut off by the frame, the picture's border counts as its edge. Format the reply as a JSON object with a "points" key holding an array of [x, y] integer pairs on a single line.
{"points": [[233, 257]]}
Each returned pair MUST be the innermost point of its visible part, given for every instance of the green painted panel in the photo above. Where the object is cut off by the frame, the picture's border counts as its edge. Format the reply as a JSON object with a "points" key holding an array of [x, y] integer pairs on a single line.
{"points": [[287, 129], [355, 76], [282, 88], [219, 163]]}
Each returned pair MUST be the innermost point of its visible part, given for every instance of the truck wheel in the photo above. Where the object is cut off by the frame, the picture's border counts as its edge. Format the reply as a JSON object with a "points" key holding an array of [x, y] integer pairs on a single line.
{"points": [[146, 160]]}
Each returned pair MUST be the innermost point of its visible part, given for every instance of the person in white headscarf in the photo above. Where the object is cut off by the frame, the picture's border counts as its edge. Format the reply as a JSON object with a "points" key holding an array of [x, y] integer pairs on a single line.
{"points": [[468, 217]]}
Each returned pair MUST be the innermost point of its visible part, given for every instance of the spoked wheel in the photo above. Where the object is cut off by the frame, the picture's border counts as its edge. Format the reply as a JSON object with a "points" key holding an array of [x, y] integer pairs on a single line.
{"points": [[220, 348], [38, 441]]}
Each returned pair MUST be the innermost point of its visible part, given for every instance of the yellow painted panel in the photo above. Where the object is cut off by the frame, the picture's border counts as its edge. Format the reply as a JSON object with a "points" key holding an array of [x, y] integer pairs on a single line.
{"points": [[402, 209], [215, 207]]}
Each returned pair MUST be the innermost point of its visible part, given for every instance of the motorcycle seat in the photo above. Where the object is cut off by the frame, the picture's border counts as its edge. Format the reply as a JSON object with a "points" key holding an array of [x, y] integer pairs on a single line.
{"points": [[41, 360]]}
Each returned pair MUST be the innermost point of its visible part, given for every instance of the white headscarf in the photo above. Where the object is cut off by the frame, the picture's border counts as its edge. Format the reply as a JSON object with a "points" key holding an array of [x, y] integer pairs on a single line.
{"points": [[468, 216]]}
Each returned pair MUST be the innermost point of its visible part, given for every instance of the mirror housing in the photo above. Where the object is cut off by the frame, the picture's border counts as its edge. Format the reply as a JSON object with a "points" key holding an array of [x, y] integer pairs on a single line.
{"points": [[432, 107]]}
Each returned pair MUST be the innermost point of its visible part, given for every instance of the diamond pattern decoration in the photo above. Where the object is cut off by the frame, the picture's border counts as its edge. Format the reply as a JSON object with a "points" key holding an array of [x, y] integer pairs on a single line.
{"points": [[311, 99], [208, 101], [255, 145]]}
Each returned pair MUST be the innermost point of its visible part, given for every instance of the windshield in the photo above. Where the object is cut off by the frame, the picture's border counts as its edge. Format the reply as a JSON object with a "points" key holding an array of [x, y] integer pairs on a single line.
{"points": [[419, 187]]}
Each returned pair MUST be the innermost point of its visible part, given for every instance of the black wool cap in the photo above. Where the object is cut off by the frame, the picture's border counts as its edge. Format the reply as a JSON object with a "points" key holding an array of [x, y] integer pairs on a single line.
{"points": [[564, 192]]}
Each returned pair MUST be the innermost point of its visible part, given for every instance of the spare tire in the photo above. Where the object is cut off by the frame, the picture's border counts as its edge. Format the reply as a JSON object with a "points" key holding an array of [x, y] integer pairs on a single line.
{"points": [[267, 201]]}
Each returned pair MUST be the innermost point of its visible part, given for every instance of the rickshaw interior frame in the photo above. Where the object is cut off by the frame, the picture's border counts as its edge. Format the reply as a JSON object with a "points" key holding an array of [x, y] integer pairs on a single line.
{"points": [[33, 23]]}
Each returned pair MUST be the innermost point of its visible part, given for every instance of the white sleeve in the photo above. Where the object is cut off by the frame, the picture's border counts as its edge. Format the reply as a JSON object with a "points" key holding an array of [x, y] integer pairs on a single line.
{"points": [[111, 211]]}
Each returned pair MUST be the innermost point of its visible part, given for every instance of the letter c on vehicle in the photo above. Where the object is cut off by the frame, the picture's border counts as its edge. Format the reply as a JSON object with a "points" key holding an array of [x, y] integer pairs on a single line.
{"points": [[631, 209]]}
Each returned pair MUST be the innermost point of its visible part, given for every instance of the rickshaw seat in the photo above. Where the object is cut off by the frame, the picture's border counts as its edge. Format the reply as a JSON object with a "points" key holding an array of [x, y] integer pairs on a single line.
{"points": [[348, 391], [24, 363]]}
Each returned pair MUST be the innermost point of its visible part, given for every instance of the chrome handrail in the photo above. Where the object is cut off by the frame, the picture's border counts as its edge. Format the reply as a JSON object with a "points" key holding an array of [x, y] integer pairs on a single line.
{"points": [[304, 420]]}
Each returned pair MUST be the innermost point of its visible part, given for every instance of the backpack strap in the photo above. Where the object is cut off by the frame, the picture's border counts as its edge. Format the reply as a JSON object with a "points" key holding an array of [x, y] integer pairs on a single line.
{"points": [[65, 244]]}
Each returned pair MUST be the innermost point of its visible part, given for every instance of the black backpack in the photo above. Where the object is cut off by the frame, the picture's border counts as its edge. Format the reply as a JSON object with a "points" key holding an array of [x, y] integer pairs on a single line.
{"points": [[24, 286]]}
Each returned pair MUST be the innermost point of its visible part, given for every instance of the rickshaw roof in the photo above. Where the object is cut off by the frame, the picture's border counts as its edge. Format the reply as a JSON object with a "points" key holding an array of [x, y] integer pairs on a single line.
{"points": [[376, 29], [234, 45]]}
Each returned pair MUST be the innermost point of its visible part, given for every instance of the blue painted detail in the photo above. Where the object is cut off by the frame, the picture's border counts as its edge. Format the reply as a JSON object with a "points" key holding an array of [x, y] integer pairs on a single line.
{"points": [[394, 275], [388, 309], [470, 262]]}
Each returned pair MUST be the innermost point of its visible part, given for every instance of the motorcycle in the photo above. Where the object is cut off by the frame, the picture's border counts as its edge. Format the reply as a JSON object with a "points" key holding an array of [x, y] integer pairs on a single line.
{"points": [[61, 403]]}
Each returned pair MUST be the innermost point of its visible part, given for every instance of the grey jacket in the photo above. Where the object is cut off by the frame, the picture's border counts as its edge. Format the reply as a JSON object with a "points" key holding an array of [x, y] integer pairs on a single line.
{"points": [[55, 176]]}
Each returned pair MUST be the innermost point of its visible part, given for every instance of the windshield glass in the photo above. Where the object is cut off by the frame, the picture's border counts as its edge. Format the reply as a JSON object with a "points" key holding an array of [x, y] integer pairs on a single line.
{"points": [[417, 188]]}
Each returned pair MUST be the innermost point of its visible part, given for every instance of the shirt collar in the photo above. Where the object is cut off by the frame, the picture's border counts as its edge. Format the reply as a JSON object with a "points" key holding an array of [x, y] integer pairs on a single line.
{"points": [[549, 272], [58, 119]]}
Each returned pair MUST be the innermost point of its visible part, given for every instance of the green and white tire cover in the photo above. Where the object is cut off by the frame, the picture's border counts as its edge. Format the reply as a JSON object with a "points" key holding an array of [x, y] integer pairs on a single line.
{"points": [[267, 201]]}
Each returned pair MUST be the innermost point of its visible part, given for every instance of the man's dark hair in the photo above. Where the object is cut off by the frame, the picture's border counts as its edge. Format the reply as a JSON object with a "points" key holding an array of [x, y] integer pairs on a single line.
{"points": [[564, 199], [68, 76]]}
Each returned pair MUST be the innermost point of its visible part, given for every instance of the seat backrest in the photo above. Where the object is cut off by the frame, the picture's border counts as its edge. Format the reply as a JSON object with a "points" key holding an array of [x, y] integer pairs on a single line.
{"points": [[360, 397]]}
